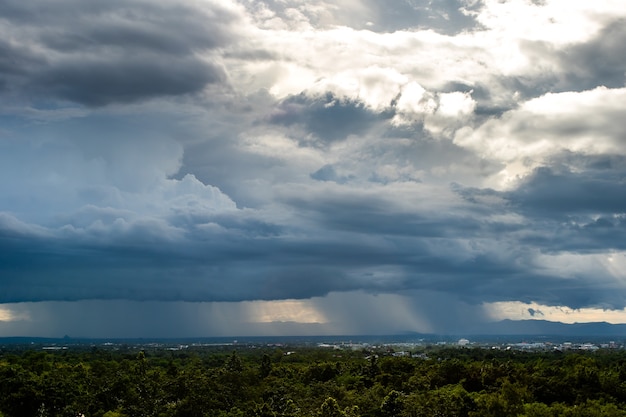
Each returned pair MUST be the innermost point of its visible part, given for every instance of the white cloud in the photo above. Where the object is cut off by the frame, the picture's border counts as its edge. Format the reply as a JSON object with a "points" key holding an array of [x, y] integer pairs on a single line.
{"points": [[361, 64], [523, 138], [76, 179], [415, 101], [454, 110], [605, 268], [376, 67], [11, 225], [456, 104], [375, 86], [554, 21], [299, 311], [8, 314], [515, 310]]}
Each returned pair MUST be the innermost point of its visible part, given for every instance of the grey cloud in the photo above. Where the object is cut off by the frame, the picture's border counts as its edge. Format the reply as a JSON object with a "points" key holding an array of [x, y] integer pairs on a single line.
{"points": [[447, 253], [179, 35], [125, 319], [568, 193], [248, 174], [334, 239], [15, 60], [599, 62], [133, 319], [581, 235], [577, 203], [372, 214], [577, 67], [373, 146], [142, 266], [244, 222], [416, 311], [114, 52], [105, 253], [323, 120], [172, 27], [104, 81], [328, 117], [230, 257], [367, 243], [328, 173]]}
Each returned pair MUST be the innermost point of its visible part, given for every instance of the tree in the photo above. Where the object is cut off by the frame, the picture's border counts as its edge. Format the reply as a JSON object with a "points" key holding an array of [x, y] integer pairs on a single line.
{"points": [[392, 404], [330, 408], [234, 364], [266, 366]]}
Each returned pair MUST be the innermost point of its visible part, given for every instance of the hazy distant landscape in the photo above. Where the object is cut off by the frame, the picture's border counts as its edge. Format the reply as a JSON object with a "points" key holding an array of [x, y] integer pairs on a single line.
{"points": [[361, 376], [500, 334]]}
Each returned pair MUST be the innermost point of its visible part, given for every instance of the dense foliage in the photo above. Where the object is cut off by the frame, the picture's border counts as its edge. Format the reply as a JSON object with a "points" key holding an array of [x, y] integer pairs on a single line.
{"points": [[268, 382]]}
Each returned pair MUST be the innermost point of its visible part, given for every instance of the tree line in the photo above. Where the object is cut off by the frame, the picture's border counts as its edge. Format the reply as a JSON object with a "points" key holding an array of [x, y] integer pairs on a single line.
{"points": [[268, 382]]}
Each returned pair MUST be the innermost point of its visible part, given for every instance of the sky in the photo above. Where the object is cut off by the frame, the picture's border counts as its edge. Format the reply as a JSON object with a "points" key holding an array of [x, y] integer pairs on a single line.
{"points": [[180, 168]]}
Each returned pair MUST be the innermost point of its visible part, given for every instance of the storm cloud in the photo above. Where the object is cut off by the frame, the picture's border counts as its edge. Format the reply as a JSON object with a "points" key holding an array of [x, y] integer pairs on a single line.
{"points": [[278, 162], [113, 52]]}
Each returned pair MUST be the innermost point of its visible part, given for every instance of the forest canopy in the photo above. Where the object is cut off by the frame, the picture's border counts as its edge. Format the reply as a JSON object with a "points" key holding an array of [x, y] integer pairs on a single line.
{"points": [[272, 382]]}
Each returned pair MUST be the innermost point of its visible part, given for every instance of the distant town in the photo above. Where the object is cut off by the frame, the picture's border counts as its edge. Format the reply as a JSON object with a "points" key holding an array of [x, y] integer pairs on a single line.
{"points": [[399, 345]]}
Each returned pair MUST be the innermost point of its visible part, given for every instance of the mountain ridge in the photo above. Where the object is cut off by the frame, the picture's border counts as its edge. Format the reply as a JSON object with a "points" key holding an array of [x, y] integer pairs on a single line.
{"points": [[499, 329], [545, 327]]}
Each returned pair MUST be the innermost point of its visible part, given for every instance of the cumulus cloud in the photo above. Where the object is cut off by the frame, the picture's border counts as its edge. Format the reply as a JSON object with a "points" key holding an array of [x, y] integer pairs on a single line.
{"points": [[524, 138]]}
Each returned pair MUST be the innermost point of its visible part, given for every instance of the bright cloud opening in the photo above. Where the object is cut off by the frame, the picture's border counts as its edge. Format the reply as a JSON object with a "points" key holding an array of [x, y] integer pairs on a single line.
{"points": [[517, 310], [299, 311], [7, 315]]}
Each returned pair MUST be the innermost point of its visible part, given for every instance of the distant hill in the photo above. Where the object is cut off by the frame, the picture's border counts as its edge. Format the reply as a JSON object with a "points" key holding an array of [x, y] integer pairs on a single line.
{"points": [[543, 327], [503, 331]]}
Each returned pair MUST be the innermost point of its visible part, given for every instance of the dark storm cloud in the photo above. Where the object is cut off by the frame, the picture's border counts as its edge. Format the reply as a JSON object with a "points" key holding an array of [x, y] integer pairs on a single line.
{"points": [[14, 63], [559, 193], [230, 257], [328, 117], [100, 82], [470, 255], [171, 27], [380, 216], [598, 62], [269, 189], [578, 203], [114, 51], [361, 242], [218, 258], [15, 60]]}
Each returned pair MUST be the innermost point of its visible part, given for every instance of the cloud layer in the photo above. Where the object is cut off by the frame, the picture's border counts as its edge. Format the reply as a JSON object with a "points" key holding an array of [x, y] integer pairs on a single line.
{"points": [[238, 151]]}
